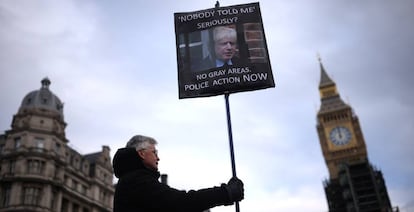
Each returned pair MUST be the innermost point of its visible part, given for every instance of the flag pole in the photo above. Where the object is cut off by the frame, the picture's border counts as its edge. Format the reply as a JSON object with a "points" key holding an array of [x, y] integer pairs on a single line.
{"points": [[233, 162]]}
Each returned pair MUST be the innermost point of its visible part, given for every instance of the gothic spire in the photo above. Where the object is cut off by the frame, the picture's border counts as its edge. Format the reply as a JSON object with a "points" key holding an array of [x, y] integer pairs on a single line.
{"points": [[325, 79], [330, 97]]}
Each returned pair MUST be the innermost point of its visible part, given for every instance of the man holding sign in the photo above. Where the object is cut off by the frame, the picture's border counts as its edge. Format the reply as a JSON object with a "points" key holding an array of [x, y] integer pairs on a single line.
{"points": [[138, 188]]}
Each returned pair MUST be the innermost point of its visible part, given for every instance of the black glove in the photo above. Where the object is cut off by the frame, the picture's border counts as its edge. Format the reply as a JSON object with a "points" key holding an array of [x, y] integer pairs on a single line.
{"points": [[235, 190]]}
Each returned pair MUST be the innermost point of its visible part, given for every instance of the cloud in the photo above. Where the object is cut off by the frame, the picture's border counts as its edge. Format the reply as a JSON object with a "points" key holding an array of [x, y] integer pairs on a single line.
{"points": [[113, 65]]}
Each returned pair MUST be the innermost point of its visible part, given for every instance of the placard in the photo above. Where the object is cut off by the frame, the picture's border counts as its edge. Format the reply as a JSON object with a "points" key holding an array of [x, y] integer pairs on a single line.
{"points": [[221, 50]]}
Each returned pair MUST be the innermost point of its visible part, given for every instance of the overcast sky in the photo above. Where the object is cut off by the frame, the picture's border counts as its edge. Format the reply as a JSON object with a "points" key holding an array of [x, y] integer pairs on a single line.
{"points": [[113, 64]]}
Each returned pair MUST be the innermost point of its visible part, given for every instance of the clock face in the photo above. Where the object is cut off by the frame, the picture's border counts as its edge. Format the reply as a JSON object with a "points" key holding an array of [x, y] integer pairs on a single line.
{"points": [[340, 136]]}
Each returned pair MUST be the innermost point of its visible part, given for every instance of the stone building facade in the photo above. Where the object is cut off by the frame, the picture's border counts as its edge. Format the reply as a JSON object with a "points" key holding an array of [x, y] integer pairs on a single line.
{"points": [[40, 172]]}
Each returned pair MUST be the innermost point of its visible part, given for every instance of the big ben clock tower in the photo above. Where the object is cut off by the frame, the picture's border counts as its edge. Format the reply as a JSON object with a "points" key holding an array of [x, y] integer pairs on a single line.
{"points": [[338, 127], [353, 185]]}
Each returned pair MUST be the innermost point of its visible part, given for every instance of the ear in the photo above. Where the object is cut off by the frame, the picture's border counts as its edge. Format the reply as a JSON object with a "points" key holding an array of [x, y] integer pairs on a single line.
{"points": [[141, 154]]}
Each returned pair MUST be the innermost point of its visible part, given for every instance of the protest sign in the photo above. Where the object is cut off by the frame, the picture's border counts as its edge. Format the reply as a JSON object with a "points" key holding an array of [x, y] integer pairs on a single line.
{"points": [[221, 50]]}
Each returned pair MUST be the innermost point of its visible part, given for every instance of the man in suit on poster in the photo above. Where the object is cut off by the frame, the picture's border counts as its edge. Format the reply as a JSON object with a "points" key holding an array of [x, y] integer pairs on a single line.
{"points": [[225, 49]]}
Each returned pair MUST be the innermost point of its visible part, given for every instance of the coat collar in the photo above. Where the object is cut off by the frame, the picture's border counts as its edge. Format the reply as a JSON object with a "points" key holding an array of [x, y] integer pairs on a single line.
{"points": [[126, 160]]}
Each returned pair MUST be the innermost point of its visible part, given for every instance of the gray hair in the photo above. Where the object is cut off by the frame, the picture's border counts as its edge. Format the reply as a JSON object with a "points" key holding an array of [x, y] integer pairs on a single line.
{"points": [[140, 142], [224, 32]]}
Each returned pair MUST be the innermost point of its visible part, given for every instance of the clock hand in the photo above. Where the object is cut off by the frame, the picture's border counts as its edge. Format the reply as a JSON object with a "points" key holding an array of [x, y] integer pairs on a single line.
{"points": [[340, 133]]}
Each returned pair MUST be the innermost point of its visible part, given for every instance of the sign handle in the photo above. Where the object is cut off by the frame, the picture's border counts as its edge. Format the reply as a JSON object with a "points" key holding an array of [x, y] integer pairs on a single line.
{"points": [[233, 163]]}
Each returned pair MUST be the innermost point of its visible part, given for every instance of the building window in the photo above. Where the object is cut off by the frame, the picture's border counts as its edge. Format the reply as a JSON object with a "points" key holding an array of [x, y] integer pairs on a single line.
{"points": [[5, 195], [57, 169], [194, 46], [65, 205], [75, 207], [76, 163], [75, 185], [85, 167], [57, 147], [17, 142], [84, 189], [40, 144], [103, 196], [53, 200], [12, 166], [66, 180], [35, 166], [31, 195]]}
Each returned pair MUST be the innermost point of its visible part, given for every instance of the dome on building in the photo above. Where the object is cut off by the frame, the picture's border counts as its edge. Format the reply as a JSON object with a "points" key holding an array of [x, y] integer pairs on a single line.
{"points": [[42, 99]]}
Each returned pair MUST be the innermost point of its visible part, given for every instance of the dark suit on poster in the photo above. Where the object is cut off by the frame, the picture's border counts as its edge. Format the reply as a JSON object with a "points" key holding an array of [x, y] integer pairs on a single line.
{"points": [[208, 63]]}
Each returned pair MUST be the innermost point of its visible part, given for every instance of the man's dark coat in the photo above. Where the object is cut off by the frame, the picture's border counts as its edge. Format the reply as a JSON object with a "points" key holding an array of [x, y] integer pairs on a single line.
{"points": [[138, 189]]}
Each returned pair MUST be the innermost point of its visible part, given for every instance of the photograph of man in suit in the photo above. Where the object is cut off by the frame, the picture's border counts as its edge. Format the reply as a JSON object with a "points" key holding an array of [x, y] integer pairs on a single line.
{"points": [[225, 49], [225, 43]]}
